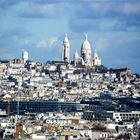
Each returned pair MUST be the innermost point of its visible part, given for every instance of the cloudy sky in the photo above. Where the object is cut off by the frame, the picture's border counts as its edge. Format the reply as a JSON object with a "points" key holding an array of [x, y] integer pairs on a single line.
{"points": [[39, 26]]}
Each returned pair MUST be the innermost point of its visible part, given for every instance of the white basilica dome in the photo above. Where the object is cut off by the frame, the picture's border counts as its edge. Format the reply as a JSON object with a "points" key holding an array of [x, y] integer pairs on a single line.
{"points": [[86, 46]]}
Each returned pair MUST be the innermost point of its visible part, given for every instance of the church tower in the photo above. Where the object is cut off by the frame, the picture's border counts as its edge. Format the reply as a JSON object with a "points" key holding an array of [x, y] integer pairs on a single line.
{"points": [[24, 56], [76, 58], [66, 50]]}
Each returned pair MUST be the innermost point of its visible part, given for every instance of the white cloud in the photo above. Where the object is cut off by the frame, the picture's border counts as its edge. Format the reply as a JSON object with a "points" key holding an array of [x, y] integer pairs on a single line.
{"points": [[42, 44], [20, 41], [47, 9], [101, 44], [47, 43], [131, 8], [53, 41]]}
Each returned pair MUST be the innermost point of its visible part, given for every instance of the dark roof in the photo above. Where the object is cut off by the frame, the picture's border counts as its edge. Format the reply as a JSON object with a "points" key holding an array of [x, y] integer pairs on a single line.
{"points": [[118, 70]]}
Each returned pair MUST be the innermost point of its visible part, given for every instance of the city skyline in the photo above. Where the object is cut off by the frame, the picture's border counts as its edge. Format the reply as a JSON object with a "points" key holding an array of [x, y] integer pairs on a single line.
{"points": [[39, 26]]}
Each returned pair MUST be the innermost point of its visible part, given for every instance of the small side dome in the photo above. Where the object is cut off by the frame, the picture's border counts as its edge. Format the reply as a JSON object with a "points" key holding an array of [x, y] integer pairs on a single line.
{"points": [[85, 45], [96, 55]]}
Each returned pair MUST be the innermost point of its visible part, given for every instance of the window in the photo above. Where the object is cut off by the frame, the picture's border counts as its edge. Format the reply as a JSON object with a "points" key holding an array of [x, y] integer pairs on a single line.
{"points": [[74, 136]]}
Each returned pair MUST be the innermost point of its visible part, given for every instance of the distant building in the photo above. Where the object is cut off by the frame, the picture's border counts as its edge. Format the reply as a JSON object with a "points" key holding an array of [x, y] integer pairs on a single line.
{"points": [[86, 58], [24, 56], [16, 61], [117, 116], [66, 50]]}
